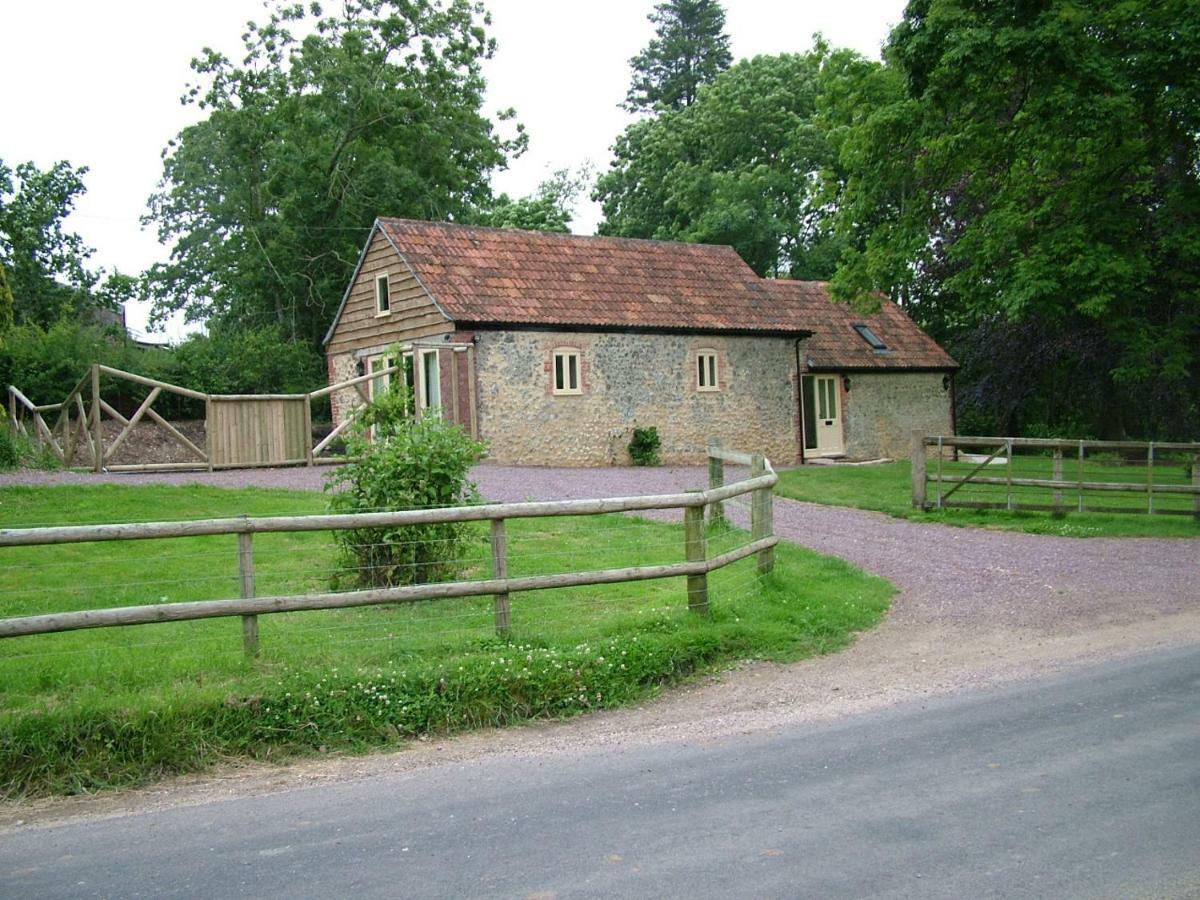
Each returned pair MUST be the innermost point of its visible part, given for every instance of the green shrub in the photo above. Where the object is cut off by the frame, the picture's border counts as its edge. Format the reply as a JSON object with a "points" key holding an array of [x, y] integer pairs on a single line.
{"points": [[643, 449], [10, 456], [403, 463]]}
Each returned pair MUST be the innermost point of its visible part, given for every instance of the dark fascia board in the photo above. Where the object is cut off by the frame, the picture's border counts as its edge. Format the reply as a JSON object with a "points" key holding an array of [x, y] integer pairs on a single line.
{"points": [[626, 329]]}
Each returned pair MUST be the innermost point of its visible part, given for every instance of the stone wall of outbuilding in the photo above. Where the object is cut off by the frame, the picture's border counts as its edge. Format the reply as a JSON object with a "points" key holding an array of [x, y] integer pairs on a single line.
{"points": [[884, 408], [631, 380]]}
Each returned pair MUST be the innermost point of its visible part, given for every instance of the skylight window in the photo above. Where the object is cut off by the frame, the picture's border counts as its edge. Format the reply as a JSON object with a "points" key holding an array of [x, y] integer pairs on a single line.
{"points": [[871, 338]]}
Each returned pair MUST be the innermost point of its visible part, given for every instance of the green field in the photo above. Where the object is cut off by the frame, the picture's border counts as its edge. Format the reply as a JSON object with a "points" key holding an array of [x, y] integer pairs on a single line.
{"points": [[89, 709], [887, 488]]}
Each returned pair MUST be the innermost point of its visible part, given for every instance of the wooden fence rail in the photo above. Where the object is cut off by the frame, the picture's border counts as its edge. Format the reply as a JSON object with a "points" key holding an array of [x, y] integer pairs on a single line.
{"points": [[241, 430], [1000, 452], [501, 586]]}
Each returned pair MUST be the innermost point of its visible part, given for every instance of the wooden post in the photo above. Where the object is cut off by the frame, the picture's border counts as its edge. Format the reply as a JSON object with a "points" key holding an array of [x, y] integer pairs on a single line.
{"points": [[500, 570], [97, 432], [208, 432], [12, 410], [246, 571], [1196, 484], [1058, 477], [308, 434], [940, 453], [696, 551], [716, 479], [762, 515], [918, 470], [1080, 473], [1150, 478], [1008, 470]]}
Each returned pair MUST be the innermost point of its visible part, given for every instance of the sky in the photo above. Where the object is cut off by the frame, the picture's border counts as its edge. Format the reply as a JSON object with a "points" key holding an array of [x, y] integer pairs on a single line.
{"points": [[98, 84]]}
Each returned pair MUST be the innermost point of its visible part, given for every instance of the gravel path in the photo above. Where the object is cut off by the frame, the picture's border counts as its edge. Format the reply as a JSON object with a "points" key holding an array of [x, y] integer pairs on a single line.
{"points": [[974, 608]]}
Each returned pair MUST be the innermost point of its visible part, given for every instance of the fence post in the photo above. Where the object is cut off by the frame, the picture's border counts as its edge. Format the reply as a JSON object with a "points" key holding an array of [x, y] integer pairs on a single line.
{"points": [[696, 551], [12, 411], [208, 432], [500, 570], [1196, 484], [1150, 478], [97, 431], [762, 515], [308, 434], [1058, 477], [918, 470], [1008, 473], [716, 479], [246, 572]]}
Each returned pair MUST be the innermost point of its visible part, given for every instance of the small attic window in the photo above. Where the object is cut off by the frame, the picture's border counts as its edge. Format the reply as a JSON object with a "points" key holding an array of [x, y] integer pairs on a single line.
{"points": [[870, 337], [383, 299]]}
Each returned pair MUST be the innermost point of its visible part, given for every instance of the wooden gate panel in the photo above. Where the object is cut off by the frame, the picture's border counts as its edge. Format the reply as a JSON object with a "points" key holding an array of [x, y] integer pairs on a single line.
{"points": [[250, 431]]}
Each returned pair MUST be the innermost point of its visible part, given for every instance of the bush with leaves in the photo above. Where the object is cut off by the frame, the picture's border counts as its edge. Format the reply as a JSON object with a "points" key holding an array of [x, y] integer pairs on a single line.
{"points": [[403, 463], [643, 449]]}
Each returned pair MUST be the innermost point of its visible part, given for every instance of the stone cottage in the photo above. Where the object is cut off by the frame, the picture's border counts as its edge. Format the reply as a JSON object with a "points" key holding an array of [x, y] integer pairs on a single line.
{"points": [[552, 348]]}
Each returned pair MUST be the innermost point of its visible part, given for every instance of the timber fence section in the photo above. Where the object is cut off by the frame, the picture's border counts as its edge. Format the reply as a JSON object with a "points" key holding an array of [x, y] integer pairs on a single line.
{"points": [[1058, 476], [695, 567], [241, 430]]}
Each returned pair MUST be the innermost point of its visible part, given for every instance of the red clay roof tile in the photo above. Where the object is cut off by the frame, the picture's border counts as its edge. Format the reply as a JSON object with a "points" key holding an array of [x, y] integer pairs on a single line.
{"points": [[497, 276]]}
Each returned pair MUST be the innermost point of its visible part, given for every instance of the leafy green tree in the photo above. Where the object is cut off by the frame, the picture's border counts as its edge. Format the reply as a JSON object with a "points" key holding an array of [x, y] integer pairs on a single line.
{"points": [[689, 49], [46, 265], [550, 208], [1039, 161], [740, 166], [329, 120], [6, 304]]}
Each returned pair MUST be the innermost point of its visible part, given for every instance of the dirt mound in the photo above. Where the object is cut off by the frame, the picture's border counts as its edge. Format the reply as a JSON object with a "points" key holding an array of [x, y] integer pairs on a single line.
{"points": [[149, 442]]}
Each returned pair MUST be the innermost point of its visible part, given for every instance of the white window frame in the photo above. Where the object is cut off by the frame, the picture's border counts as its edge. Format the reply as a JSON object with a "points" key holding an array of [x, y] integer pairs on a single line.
{"points": [[382, 382], [383, 298], [431, 386], [566, 354], [708, 362]]}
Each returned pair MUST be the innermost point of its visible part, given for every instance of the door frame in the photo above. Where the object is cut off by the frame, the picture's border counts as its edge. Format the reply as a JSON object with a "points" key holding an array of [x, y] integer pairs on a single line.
{"points": [[810, 381]]}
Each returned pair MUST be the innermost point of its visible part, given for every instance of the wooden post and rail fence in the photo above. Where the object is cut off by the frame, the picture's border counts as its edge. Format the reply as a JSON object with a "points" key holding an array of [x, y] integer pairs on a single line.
{"points": [[501, 586], [933, 473], [241, 430]]}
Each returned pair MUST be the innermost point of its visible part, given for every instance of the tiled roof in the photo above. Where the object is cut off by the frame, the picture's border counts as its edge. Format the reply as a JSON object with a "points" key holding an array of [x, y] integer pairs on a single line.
{"points": [[503, 276], [495, 275], [836, 344]]}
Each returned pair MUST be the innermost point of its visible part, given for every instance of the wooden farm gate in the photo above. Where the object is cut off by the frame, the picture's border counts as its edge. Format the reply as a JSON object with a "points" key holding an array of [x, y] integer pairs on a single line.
{"points": [[1055, 476], [241, 430]]}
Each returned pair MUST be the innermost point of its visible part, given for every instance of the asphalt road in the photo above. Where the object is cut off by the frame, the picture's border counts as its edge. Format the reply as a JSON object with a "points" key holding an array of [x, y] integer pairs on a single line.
{"points": [[1086, 784]]}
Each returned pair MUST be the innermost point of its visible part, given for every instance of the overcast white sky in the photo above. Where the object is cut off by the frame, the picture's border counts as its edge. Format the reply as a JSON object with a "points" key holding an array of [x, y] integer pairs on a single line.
{"points": [[98, 84]]}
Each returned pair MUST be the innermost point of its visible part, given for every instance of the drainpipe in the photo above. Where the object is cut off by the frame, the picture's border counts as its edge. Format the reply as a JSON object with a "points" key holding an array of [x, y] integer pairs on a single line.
{"points": [[800, 401]]}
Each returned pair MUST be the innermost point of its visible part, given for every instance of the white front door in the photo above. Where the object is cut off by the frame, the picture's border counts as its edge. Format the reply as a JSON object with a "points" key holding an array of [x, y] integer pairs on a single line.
{"points": [[822, 415]]}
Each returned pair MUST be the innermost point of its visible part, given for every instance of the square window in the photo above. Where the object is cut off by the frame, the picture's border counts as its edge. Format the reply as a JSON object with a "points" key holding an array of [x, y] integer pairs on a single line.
{"points": [[383, 298], [566, 372], [706, 371]]}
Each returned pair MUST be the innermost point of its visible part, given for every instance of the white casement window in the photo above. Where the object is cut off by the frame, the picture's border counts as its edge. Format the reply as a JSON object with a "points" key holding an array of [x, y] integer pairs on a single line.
{"points": [[383, 298], [566, 372], [706, 371], [378, 385], [431, 381]]}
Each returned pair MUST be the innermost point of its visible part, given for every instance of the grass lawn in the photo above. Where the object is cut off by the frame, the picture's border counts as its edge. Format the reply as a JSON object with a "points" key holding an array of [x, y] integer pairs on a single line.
{"points": [[86, 710], [887, 488]]}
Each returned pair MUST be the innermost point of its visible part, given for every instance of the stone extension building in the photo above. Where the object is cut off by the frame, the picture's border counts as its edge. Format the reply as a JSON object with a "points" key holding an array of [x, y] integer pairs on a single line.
{"points": [[553, 348]]}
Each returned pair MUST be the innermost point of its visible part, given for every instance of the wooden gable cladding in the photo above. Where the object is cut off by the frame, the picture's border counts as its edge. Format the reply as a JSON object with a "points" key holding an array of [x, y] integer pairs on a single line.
{"points": [[413, 314]]}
